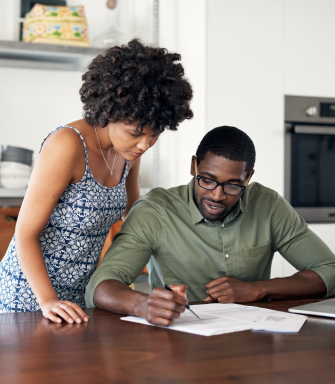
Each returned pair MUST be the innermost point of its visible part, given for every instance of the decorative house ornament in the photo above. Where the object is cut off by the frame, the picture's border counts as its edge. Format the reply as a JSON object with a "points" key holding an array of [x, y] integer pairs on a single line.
{"points": [[56, 25]]}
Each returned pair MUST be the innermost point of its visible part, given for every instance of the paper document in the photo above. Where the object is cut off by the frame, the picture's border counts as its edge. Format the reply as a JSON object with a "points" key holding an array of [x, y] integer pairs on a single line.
{"points": [[280, 322], [226, 318]]}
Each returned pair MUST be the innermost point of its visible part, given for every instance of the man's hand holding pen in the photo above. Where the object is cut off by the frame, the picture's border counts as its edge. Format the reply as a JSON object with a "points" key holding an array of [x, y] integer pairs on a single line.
{"points": [[162, 306]]}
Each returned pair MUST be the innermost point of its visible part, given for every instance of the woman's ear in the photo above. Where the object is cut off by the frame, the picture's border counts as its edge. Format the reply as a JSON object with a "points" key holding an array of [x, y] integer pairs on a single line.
{"points": [[194, 159]]}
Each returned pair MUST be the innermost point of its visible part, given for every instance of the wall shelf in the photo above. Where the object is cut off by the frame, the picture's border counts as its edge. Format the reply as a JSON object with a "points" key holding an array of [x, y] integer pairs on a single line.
{"points": [[45, 56]]}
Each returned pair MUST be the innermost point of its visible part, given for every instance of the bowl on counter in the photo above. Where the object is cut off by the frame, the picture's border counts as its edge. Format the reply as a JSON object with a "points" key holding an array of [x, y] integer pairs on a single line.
{"points": [[15, 166]]}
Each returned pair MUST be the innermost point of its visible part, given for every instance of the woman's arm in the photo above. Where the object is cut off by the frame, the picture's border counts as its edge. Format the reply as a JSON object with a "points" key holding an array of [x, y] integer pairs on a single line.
{"points": [[132, 185], [60, 162]]}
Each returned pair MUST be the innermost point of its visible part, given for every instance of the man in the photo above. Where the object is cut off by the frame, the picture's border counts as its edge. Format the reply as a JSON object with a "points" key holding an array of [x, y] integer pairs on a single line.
{"points": [[213, 240]]}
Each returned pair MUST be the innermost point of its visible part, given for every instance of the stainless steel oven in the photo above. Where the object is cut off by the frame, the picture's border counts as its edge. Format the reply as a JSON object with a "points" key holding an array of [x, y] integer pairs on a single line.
{"points": [[310, 157]]}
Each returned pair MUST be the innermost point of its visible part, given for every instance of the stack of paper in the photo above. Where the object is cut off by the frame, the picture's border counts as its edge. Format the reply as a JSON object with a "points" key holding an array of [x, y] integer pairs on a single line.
{"points": [[226, 318]]}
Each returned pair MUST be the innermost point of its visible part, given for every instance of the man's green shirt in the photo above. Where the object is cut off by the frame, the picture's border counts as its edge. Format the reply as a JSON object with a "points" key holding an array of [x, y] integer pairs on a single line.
{"points": [[166, 229]]}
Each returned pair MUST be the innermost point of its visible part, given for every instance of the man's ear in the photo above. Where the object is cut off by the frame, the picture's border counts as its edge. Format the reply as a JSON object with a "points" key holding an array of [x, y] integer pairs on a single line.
{"points": [[194, 159]]}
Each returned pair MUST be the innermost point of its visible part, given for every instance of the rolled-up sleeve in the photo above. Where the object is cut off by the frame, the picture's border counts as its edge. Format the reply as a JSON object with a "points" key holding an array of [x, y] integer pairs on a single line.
{"points": [[300, 246], [139, 238]]}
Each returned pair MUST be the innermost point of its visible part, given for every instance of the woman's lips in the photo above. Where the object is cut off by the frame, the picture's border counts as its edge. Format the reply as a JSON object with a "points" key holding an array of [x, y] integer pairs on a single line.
{"points": [[137, 154], [213, 208]]}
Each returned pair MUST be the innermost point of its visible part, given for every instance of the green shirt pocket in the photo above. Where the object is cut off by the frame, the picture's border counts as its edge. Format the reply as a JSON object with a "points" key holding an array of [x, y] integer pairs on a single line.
{"points": [[254, 262]]}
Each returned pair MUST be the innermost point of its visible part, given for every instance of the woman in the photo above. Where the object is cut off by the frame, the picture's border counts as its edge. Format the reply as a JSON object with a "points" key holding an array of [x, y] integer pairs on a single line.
{"points": [[86, 178]]}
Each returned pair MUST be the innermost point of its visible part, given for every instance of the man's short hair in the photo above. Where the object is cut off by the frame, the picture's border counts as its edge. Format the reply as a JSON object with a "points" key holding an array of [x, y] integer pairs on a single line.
{"points": [[230, 143]]}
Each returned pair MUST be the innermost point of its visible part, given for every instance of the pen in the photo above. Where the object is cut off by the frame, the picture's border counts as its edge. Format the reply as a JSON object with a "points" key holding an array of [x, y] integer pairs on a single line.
{"points": [[186, 306]]}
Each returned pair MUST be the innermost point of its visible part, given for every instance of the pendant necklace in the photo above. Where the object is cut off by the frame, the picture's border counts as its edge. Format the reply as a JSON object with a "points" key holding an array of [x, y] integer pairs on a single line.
{"points": [[111, 169]]}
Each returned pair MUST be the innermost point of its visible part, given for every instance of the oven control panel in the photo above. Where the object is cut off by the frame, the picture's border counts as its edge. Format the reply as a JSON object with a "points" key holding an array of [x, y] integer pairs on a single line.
{"points": [[306, 109], [327, 109]]}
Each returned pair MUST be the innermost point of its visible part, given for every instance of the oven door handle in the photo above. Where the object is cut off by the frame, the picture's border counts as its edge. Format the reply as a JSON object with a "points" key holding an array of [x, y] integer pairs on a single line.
{"points": [[314, 130]]}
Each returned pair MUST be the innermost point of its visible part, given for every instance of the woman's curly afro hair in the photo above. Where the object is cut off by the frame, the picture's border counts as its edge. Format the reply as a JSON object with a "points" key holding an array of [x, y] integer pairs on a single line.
{"points": [[135, 83]]}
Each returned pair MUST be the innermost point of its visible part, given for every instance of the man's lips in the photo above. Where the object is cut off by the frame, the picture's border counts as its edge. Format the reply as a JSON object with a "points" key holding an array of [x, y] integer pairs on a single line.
{"points": [[213, 208]]}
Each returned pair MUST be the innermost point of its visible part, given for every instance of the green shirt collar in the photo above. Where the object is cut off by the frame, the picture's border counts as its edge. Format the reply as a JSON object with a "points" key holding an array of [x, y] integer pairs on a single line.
{"points": [[197, 217], [195, 213]]}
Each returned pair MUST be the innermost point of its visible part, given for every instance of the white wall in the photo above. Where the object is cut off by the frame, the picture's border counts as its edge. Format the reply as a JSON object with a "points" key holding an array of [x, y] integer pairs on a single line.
{"points": [[181, 22], [309, 30], [33, 102], [183, 30], [241, 57], [245, 78], [258, 51], [245, 81], [309, 62], [9, 26]]}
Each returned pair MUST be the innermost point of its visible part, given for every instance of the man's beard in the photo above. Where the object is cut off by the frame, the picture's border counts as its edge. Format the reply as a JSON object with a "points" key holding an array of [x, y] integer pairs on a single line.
{"points": [[221, 216]]}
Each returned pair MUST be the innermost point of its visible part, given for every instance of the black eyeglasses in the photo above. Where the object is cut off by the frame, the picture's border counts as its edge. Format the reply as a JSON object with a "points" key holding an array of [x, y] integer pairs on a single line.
{"points": [[210, 184], [228, 188]]}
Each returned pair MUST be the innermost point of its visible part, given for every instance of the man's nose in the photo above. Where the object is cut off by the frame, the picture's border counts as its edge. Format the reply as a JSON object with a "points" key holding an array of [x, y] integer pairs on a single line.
{"points": [[218, 194]]}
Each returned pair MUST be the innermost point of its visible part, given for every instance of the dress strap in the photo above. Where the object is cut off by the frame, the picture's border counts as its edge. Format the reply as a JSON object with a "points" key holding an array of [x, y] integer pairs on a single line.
{"points": [[75, 129]]}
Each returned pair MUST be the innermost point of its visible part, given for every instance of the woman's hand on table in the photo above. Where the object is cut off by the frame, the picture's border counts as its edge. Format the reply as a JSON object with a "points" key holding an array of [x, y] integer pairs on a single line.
{"points": [[46, 327], [56, 310]]}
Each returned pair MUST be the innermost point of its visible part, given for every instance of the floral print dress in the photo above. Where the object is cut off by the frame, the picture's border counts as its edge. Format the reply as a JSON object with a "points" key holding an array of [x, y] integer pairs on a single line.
{"points": [[71, 242]]}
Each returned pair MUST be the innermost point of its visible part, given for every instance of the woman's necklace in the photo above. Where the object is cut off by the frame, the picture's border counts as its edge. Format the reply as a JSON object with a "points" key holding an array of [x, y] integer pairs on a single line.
{"points": [[111, 169]]}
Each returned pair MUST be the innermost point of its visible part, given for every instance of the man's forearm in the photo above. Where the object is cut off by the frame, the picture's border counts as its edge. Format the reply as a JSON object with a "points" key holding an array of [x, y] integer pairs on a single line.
{"points": [[302, 284], [115, 296]]}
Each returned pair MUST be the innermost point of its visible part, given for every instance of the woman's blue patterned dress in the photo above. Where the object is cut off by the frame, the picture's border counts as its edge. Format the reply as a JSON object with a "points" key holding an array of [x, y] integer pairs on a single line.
{"points": [[71, 242]]}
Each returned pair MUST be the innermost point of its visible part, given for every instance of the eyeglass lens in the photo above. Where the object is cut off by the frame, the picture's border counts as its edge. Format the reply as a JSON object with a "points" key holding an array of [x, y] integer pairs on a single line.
{"points": [[211, 184]]}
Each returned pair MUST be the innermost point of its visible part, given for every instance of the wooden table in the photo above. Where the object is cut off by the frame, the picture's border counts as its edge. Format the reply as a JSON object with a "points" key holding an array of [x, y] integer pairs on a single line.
{"points": [[107, 350]]}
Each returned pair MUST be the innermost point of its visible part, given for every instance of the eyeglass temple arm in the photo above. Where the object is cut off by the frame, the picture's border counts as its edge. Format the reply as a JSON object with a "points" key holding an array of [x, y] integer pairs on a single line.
{"points": [[246, 183], [196, 167]]}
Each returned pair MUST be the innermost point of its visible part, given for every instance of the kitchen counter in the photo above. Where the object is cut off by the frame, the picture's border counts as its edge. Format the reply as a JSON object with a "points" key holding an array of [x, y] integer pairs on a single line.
{"points": [[14, 197], [11, 197]]}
